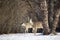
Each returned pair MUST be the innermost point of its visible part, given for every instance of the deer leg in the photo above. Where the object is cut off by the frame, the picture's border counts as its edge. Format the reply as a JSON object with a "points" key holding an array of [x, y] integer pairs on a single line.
{"points": [[26, 31], [34, 30]]}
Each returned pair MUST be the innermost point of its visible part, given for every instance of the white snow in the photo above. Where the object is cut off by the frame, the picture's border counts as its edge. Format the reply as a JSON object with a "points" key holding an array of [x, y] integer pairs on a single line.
{"points": [[29, 36]]}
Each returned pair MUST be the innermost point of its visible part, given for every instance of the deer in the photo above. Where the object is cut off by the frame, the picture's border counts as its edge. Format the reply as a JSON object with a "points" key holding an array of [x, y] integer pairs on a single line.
{"points": [[34, 25]]}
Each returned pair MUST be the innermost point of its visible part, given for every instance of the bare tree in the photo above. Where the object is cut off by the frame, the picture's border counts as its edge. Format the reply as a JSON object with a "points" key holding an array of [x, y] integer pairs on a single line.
{"points": [[44, 10], [51, 12], [55, 21]]}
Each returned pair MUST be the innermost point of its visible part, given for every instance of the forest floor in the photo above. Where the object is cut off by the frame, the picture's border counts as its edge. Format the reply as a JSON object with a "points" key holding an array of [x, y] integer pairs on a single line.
{"points": [[29, 36]]}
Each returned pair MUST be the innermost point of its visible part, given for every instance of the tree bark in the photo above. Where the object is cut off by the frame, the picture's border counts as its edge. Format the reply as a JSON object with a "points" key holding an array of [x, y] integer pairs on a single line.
{"points": [[45, 17], [55, 21], [51, 12]]}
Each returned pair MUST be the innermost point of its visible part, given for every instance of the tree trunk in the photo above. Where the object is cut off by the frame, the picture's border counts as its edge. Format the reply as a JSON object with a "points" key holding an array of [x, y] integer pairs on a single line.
{"points": [[55, 21], [45, 17], [51, 12]]}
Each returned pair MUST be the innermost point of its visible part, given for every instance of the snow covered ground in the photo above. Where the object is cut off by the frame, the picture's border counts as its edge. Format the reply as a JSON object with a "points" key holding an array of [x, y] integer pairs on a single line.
{"points": [[29, 36]]}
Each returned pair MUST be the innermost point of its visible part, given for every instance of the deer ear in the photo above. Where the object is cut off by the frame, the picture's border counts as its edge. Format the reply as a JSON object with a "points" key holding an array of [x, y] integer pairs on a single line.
{"points": [[31, 21]]}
